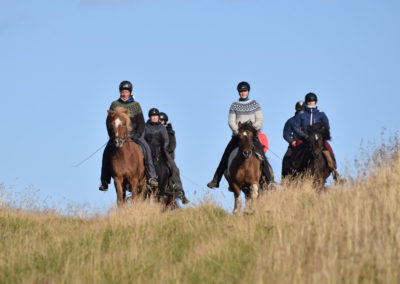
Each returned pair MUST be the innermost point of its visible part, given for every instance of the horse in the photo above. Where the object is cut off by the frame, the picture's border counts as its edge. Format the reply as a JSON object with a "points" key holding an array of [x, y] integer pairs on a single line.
{"points": [[244, 170], [127, 162], [163, 170], [308, 157]]}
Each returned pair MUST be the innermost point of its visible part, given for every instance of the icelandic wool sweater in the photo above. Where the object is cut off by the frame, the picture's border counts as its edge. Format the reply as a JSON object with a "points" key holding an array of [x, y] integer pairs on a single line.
{"points": [[243, 111], [135, 113]]}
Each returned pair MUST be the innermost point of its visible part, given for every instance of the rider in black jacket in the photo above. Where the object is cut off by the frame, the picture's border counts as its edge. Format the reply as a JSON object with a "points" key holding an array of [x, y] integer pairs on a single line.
{"points": [[171, 150]]}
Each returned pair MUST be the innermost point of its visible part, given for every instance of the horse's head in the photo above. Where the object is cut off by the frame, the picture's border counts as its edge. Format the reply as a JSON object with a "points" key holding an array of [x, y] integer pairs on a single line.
{"points": [[121, 125], [317, 134], [246, 135]]}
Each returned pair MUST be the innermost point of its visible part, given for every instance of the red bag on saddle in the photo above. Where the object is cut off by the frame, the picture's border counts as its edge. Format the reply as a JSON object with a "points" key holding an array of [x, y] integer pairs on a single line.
{"points": [[264, 140]]}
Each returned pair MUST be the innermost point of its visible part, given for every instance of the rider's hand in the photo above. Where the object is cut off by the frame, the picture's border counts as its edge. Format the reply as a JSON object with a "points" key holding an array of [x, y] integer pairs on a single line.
{"points": [[294, 143]]}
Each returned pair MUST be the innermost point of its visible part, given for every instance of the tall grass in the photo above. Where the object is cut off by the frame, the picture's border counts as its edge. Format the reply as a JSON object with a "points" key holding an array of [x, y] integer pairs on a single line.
{"points": [[347, 234]]}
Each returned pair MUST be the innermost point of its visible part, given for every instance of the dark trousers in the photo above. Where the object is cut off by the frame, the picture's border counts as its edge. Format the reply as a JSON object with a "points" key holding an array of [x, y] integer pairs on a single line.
{"points": [[234, 143]]}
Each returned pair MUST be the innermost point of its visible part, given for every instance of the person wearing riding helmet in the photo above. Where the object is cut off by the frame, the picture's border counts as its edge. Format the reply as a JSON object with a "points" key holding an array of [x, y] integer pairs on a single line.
{"points": [[242, 111], [171, 134], [309, 116], [127, 100], [171, 150], [290, 136], [152, 129]]}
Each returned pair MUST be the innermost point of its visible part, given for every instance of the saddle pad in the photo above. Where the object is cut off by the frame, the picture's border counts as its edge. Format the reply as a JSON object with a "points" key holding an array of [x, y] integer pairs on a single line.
{"points": [[230, 159]]}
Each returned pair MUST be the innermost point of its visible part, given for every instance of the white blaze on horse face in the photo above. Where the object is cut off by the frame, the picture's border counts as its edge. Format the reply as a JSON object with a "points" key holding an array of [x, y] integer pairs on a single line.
{"points": [[117, 122], [245, 133], [316, 137]]}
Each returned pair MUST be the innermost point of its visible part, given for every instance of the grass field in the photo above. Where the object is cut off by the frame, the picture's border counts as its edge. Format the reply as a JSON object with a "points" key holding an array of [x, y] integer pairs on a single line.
{"points": [[347, 234]]}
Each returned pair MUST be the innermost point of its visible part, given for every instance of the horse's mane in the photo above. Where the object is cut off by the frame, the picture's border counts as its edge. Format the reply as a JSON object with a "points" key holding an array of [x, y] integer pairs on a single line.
{"points": [[248, 126], [322, 128], [124, 113]]}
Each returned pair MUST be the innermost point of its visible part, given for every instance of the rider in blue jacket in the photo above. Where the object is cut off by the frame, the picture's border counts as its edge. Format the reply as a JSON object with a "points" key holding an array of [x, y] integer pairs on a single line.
{"points": [[309, 116], [290, 136]]}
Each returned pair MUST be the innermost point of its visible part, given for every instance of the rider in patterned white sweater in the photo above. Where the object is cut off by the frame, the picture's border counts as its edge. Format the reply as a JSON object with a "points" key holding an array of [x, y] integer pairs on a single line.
{"points": [[242, 111]]}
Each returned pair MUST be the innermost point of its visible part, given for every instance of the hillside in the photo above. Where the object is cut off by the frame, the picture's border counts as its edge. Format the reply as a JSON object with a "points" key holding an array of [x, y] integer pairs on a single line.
{"points": [[346, 234]]}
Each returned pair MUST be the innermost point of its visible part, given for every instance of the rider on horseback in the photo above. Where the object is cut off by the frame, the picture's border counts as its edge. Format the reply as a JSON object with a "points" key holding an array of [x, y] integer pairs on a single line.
{"points": [[171, 150], [309, 116], [127, 100], [155, 125], [290, 136], [242, 111]]}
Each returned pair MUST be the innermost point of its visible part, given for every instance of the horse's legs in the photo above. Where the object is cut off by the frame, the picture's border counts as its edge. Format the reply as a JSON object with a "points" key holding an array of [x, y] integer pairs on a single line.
{"points": [[118, 188], [134, 185], [250, 196], [238, 202]]}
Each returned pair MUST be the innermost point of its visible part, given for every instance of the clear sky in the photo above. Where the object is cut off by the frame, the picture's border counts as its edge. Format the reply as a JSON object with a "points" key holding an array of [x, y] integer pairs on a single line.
{"points": [[62, 61]]}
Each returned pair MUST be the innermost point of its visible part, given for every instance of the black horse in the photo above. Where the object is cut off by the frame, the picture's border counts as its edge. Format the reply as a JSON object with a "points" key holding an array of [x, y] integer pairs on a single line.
{"points": [[308, 158], [164, 171]]}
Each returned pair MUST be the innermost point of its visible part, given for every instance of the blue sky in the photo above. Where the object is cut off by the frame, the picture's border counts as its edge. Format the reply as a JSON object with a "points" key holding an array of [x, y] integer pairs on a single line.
{"points": [[62, 61]]}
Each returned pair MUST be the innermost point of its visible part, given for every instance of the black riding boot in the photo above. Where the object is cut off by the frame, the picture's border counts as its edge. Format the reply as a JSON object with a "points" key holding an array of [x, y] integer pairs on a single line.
{"points": [[223, 164]]}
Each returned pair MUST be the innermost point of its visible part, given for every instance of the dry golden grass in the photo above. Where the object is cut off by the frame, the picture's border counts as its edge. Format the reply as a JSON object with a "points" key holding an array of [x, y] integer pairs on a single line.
{"points": [[347, 234]]}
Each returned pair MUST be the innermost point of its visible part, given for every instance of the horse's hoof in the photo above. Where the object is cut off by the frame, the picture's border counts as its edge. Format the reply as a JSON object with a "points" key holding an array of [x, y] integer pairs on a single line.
{"points": [[249, 212]]}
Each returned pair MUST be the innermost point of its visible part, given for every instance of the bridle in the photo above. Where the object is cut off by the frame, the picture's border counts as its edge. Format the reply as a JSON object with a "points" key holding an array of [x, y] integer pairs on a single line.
{"points": [[247, 154], [120, 140]]}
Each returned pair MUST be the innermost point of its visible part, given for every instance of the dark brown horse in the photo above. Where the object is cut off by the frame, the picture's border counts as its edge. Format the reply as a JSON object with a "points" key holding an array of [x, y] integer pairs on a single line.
{"points": [[127, 160], [309, 159], [244, 172]]}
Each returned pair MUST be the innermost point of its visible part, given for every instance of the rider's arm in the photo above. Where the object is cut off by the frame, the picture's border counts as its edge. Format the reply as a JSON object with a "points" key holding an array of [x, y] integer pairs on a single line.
{"points": [[164, 134], [139, 122], [109, 127], [171, 137], [324, 119], [232, 121], [259, 119], [297, 127], [287, 132]]}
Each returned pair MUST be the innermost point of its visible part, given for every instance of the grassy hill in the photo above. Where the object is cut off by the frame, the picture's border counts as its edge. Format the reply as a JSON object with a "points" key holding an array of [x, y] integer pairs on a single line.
{"points": [[346, 234]]}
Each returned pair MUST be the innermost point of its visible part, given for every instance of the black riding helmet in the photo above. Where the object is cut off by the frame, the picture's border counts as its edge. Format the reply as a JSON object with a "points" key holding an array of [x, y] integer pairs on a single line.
{"points": [[125, 85], [243, 86], [153, 111], [311, 97], [163, 116], [299, 106]]}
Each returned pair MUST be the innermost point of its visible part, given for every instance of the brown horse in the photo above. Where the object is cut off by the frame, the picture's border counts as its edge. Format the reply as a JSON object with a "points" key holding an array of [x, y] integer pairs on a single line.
{"points": [[127, 160], [244, 172]]}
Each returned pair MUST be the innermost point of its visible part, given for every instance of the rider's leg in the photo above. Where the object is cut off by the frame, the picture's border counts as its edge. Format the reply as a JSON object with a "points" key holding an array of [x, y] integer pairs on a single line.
{"points": [[106, 166], [330, 158], [265, 167], [285, 162], [177, 184], [150, 169], [224, 162]]}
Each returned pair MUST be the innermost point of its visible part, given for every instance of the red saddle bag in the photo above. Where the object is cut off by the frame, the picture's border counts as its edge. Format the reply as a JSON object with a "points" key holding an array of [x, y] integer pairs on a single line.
{"points": [[263, 140]]}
